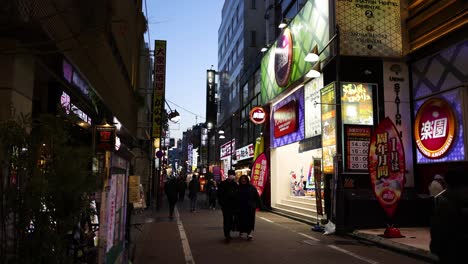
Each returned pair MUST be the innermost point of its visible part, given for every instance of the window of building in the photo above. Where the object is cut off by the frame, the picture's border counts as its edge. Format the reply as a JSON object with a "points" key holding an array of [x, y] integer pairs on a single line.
{"points": [[253, 38]]}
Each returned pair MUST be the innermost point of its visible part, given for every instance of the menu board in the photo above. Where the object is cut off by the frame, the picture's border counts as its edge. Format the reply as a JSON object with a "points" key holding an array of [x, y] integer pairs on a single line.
{"points": [[357, 140]]}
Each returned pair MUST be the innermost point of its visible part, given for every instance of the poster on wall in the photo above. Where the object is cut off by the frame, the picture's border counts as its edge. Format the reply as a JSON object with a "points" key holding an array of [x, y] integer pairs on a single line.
{"points": [[387, 165], [259, 173], [370, 28], [110, 214], [313, 122], [356, 103], [328, 108], [357, 138]]}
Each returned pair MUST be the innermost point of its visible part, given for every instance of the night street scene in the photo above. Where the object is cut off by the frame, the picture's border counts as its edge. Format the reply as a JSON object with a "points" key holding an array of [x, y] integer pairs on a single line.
{"points": [[235, 131]]}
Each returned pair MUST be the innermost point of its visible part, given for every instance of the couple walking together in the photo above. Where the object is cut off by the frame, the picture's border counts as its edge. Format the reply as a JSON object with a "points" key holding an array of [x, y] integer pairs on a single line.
{"points": [[239, 203]]}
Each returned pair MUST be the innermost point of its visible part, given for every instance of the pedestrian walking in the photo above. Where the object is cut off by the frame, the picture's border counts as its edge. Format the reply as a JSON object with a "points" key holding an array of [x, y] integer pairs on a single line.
{"points": [[249, 201], [194, 189], [449, 223], [228, 197], [170, 188], [181, 187], [212, 193]]}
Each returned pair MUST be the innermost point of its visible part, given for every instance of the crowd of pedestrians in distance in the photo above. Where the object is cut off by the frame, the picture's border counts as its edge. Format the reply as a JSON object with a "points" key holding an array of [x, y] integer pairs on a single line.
{"points": [[239, 200]]}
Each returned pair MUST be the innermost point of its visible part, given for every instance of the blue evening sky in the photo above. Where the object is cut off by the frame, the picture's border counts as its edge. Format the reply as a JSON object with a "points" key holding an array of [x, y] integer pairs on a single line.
{"points": [[190, 28]]}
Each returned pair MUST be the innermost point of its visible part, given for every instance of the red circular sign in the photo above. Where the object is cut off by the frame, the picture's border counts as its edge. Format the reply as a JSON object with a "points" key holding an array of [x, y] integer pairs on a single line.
{"points": [[283, 58], [257, 115], [434, 128]]}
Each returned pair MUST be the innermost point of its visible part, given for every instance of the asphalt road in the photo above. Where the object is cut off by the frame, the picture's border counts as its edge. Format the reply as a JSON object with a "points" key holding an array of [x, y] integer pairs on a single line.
{"points": [[198, 238]]}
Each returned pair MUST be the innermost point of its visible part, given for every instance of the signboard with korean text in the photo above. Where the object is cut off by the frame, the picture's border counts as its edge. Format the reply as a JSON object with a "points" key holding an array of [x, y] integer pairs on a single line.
{"points": [[259, 173], [328, 109], [356, 103], [370, 27], [159, 86], [357, 140], [387, 165], [245, 152], [435, 128]]}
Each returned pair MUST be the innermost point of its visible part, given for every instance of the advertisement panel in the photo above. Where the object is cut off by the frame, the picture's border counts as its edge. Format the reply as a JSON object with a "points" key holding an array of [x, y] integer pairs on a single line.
{"points": [[370, 28], [284, 62], [259, 173], [159, 86], [356, 103], [328, 109], [245, 152], [446, 142], [287, 120], [313, 113], [387, 165]]}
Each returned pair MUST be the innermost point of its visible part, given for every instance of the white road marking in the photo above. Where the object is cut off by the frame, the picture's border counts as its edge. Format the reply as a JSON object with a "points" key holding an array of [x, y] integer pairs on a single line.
{"points": [[183, 237], [309, 237], [268, 220], [370, 261]]}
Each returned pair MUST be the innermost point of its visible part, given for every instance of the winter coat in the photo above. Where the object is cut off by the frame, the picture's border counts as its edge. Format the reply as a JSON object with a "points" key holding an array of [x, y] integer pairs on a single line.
{"points": [[228, 195], [170, 188], [449, 226], [249, 201], [194, 187]]}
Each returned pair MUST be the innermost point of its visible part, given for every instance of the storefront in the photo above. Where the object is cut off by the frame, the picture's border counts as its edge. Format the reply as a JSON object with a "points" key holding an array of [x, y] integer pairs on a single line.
{"points": [[440, 113]]}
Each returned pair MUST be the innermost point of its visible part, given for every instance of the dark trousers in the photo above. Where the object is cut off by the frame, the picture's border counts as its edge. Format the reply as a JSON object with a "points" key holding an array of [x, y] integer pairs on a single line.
{"points": [[229, 221], [171, 207]]}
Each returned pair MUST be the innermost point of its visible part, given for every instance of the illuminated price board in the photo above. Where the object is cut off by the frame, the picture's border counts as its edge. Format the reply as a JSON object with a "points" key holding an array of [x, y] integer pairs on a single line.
{"points": [[357, 138]]}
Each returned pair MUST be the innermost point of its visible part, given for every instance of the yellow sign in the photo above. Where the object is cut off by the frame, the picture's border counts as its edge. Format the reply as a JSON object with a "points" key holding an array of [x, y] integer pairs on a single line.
{"points": [[133, 189], [159, 86]]}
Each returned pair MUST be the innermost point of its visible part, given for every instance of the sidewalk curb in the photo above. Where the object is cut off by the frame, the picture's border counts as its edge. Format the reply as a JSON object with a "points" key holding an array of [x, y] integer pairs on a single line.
{"points": [[387, 243]]}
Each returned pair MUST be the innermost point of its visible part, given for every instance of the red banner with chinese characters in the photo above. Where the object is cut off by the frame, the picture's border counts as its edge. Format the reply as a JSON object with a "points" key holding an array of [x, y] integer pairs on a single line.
{"points": [[259, 174], [387, 165]]}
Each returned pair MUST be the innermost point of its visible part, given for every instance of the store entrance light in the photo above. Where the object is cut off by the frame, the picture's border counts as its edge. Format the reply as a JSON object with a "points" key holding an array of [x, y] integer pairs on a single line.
{"points": [[312, 56]]}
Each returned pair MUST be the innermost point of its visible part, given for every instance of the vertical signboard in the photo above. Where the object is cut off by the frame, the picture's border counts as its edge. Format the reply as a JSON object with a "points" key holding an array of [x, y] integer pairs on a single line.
{"points": [[357, 140], [313, 123], [387, 165], [211, 109], [159, 83], [259, 173], [328, 107], [318, 185], [369, 28]]}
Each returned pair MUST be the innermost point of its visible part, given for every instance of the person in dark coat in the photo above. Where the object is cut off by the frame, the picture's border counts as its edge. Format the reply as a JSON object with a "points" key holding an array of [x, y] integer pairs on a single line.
{"points": [[170, 188], [449, 223], [194, 189], [249, 201], [181, 187], [228, 198], [212, 190]]}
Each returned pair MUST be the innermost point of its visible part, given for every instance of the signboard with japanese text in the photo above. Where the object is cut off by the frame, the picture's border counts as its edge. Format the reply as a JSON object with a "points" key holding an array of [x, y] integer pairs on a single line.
{"points": [[434, 128], [227, 149], [356, 103], [387, 165], [259, 173], [357, 140], [133, 189], [211, 108], [159, 86], [257, 115], [245, 152], [328, 109]]}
